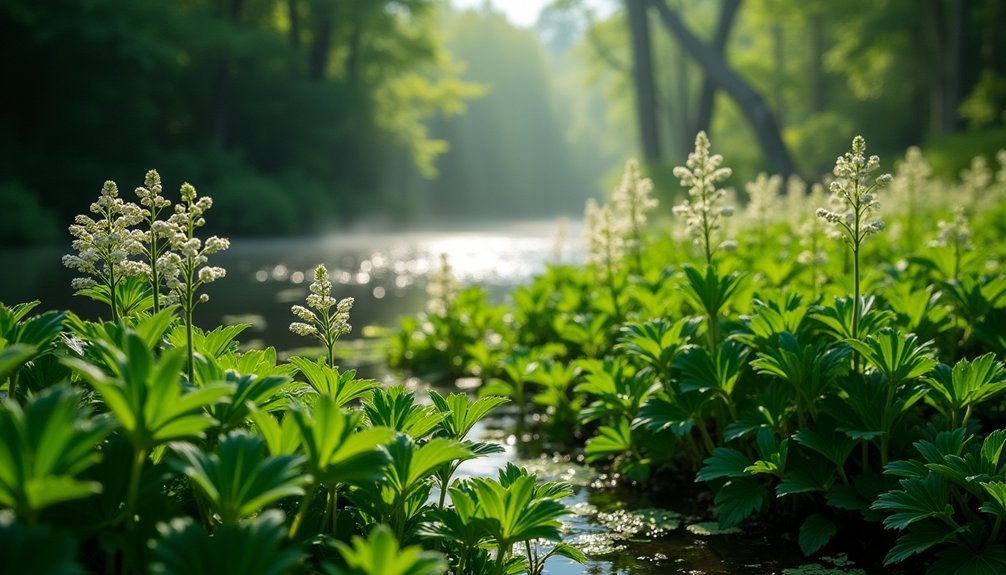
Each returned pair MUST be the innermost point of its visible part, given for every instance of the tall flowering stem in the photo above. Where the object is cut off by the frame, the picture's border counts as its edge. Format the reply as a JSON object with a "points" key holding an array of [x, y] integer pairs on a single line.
{"points": [[153, 203], [954, 234], [911, 180], [442, 289], [632, 201], [763, 204], [105, 244], [606, 246], [183, 266], [321, 321], [704, 208], [812, 253], [853, 199]]}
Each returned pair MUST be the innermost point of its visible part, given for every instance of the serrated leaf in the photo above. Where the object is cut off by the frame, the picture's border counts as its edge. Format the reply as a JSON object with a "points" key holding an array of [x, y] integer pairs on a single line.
{"points": [[918, 538], [815, 533], [738, 500], [724, 462]]}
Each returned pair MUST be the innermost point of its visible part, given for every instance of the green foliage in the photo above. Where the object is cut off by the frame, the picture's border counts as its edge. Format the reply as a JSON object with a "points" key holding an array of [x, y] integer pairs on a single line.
{"points": [[252, 546], [44, 447], [380, 554], [39, 549], [239, 480], [146, 396]]}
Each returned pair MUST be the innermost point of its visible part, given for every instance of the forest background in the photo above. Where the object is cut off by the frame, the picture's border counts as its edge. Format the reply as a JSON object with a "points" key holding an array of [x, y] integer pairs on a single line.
{"points": [[300, 116]]}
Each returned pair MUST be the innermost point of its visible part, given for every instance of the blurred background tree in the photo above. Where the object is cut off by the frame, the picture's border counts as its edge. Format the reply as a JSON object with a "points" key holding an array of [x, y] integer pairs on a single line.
{"points": [[299, 115]]}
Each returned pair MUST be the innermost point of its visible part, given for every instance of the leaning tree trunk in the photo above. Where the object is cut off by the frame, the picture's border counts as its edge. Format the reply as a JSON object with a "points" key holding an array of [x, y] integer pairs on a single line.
{"points": [[751, 103], [707, 97], [642, 75]]}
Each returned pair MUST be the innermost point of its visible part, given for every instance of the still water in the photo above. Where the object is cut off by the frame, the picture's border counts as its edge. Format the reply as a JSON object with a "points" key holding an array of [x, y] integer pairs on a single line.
{"points": [[385, 272], [623, 530]]}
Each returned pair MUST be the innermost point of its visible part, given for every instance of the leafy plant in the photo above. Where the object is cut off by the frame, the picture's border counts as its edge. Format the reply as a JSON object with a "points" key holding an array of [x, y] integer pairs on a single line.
{"points": [[380, 554], [144, 394], [252, 546], [44, 446], [239, 480]]}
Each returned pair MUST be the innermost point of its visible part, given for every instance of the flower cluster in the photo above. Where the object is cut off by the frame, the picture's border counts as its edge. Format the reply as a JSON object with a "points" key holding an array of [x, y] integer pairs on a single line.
{"points": [[911, 185], [631, 202], [321, 321], [605, 243], [183, 266], [703, 211], [441, 289], [104, 245], [796, 201], [812, 254], [632, 198], [153, 203], [976, 181], [955, 233], [763, 199], [853, 194]]}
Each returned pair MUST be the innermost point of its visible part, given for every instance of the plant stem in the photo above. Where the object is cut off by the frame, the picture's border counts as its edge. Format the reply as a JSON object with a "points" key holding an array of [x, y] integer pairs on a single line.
{"points": [[305, 503], [112, 297], [501, 554], [139, 458], [333, 503], [12, 387], [188, 341], [841, 474]]}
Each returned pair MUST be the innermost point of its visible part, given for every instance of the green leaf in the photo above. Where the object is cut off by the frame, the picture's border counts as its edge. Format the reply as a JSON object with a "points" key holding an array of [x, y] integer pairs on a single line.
{"points": [[724, 462], [411, 465], [919, 498], [918, 538], [343, 387], [145, 393], [997, 506], [815, 533], [737, 500], [380, 554], [569, 552], [336, 451], [12, 357], [517, 512], [238, 479], [827, 441], [253, 546], [960, 560], [397, 409], [609, 441], [43, 446], [900, 358], [460, 413]]}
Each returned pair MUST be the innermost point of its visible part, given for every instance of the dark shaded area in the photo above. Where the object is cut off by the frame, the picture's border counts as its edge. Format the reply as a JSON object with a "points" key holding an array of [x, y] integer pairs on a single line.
{"points": [[273, 107]]}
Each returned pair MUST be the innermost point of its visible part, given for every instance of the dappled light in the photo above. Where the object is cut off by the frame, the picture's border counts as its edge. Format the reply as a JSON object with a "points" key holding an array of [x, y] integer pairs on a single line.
{"points": [[503, 287]]}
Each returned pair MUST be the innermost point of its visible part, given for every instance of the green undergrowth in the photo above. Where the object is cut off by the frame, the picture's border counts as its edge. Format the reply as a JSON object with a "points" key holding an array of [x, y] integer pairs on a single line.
{"points": [[146, 444], [829, 360]]}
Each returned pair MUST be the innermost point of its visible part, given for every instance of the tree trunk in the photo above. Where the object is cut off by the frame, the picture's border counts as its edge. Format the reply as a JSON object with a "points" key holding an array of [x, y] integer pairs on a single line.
{"points": [[321, 42], [222, 83], [642, 75], [751, 103], [707, 97], [293, 13], [946, 31]]}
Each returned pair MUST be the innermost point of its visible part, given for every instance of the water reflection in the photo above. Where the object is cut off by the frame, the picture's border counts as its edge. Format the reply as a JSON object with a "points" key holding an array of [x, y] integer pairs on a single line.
{"points": [[385, 272]]}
